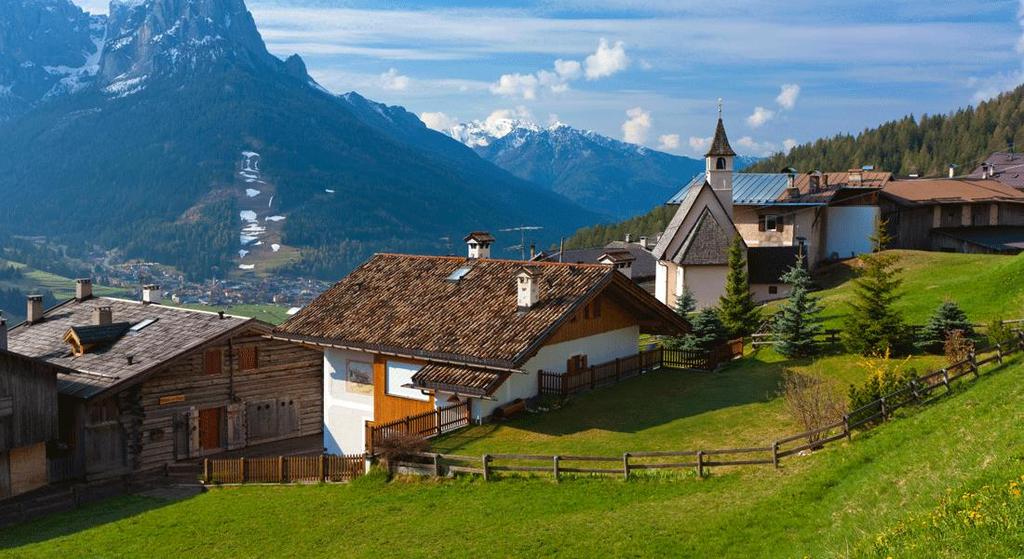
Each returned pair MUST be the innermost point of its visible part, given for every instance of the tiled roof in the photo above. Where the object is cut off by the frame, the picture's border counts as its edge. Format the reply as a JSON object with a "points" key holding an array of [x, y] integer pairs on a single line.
{"points": [[1005, 167], [468, 381], [950, 191], [173, 333], [406, 305], [720, 143], [707, 244]]}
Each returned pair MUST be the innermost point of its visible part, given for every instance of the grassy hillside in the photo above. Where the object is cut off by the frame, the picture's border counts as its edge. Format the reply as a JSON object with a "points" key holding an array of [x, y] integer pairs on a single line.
{"points": [[848, 500], [986, 286]]}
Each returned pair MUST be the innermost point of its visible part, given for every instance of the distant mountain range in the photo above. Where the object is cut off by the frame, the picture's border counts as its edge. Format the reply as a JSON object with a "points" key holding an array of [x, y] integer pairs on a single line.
{"points": [[597, 172], [150, 129]]}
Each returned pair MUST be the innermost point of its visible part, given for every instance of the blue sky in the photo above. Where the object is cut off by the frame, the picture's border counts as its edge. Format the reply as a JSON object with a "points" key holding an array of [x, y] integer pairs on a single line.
{"points": [[650, 72]]}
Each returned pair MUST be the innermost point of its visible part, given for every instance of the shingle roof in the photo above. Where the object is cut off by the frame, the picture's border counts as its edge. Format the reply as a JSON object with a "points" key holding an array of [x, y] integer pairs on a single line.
{"points": [[468, 381], [706, 245], [720, 143], [644, 265], [404, 305], [950, 191], [1008, 168], [174, 333]]}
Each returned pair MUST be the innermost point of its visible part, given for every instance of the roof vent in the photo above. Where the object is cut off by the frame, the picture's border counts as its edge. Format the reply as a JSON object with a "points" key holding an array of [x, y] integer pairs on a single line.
{"points": [[129, 358], [220, 314]]}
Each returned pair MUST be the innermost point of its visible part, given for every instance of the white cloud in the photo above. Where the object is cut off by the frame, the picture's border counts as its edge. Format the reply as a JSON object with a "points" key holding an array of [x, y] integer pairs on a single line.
{"points": [[760, 116], [762, 149], [568, 69], [787, 96], [991, 86], [516, 85], [438, 121], [607, 60], [518, 113], [700, 145], [394, 81], [668, 142], [788, 144], [638, 123]]}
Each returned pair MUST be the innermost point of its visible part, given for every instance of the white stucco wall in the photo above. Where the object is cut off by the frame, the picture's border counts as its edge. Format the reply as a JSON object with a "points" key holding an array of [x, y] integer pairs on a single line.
{"points": [[347, 408], [848, 230], [599, 348], [706, 282], [761, 294], [661, 283]]}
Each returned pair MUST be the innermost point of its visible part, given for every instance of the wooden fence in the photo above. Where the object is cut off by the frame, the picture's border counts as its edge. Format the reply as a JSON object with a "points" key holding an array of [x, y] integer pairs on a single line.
{"points": [[570, 382], [919, 390], [284, 469], [427, 425]]}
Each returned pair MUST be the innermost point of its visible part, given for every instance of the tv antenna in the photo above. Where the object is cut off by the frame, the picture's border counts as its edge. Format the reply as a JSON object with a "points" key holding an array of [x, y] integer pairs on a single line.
{"points": [[522, 237]]}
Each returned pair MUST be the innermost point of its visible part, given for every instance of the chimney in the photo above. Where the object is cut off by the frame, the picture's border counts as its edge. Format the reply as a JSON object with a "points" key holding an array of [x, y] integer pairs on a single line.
{"points": [[952, 170], [102, 316], [643, 242], [35, 309], [533, 251], [629, 238], [479, 244], [3, 334], [856, 177], [151, 294], [83, 289], [527, 289]]}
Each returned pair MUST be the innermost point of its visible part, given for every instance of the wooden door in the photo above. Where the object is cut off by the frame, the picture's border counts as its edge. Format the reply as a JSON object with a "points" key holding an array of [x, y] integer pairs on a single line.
{"points": [[209, 428]]}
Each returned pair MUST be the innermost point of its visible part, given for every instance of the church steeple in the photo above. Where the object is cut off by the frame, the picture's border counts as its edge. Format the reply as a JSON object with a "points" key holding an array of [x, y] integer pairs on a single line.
{"points": [[718, 164]]}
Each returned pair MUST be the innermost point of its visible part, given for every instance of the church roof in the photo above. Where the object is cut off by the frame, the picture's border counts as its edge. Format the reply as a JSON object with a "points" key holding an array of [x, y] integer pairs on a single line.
{"points": [[707, 244], [720, 145]]}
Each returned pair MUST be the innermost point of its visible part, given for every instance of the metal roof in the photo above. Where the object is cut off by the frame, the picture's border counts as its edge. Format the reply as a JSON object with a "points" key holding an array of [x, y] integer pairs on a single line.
{"points": [[747, 188]]}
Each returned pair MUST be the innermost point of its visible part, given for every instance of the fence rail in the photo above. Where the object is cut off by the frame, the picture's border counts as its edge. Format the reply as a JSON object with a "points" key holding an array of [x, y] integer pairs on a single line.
{"points": [[284, 469], [916, 391], [427, 425], [570, 382]]}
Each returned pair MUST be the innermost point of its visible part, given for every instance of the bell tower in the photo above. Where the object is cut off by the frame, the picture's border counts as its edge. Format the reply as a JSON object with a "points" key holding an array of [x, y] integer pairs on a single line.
{"points": [[718, 164]]}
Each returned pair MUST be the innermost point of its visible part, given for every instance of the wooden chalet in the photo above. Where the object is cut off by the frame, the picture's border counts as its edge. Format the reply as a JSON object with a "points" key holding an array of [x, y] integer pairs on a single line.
{"points": [[404, 335], [142, 384], [28, 420]]}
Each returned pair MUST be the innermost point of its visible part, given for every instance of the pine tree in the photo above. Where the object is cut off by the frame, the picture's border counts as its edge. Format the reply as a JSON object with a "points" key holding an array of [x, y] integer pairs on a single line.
{"points": [[707, 332], [739, 312], [947, 318], [880, 237], [873, 325], [686, 303], [799, 319]]}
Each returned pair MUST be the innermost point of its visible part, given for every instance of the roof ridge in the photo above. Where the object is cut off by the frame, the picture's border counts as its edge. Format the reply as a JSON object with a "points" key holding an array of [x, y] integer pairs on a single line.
{"points": [[498, 260]]}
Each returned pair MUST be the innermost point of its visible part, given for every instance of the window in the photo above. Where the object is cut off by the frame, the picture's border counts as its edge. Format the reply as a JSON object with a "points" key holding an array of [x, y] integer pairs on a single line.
{"points": [[773, 290], [400, 374], [213, 361], [576, 363], [720, 164], [770, 222], [103, 412], [248, 358]]}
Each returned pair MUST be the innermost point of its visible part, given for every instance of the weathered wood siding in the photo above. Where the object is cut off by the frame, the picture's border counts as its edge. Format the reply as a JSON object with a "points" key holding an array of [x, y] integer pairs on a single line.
{"points": [[910, 228], [387, 407], [287, 376], [28, 402], [584, 323]]}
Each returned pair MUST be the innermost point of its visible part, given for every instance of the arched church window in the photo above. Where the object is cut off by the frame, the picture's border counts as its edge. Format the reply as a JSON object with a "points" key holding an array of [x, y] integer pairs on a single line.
{"points": [[720, 164]]}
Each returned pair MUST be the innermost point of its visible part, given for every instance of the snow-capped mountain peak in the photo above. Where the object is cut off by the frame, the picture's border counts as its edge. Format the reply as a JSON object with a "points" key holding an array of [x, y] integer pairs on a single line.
{"points": [[481, 133]]}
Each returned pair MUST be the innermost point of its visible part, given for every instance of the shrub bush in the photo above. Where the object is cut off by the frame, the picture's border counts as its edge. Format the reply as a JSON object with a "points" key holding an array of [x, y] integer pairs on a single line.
{"points": [[813, 401], [885, 376]]}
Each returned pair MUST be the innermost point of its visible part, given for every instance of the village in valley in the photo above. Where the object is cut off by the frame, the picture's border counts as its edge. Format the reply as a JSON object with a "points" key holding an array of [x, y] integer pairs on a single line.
{"points": [[778, 360]]}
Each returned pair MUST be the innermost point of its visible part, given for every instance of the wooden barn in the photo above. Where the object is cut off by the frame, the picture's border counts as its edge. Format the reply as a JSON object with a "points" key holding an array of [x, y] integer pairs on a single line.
{"points": [[28, 420], [146, 384]]}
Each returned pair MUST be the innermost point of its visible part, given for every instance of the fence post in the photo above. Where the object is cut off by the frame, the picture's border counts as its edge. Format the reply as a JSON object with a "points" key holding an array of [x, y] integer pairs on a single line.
{"points": [[437, 421], [280, 469], [913, 389], [437, 465], [555, 467], [999, 354], [486, 459], [882, 400], [321, 467], [775, 454], [241, 462], [945, 379], [206, 470], [973, 358], [625, 466], [405, 425], [846, 426], [700, 463]]}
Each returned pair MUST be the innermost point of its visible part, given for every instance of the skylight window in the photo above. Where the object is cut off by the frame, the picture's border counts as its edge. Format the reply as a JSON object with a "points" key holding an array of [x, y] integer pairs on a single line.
{"points": [[138, 327], [458, 274]]}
